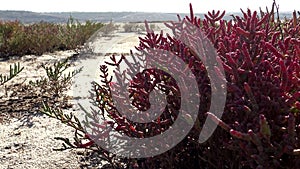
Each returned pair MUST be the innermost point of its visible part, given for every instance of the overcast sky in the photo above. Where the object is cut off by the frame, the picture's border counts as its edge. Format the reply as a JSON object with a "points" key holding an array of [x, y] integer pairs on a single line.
{"points": [[174, 6]]}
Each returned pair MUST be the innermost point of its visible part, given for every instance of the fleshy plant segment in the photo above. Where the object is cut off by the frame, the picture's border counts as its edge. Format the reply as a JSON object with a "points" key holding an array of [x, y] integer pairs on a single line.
{"points": [[260, 125]]}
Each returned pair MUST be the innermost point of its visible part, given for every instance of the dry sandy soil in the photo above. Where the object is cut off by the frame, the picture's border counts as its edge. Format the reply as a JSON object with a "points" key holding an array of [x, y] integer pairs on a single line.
{"points": [[27, 139]]}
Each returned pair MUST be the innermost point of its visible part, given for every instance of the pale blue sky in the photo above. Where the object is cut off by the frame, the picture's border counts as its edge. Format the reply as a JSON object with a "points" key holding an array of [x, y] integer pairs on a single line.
{"points": [[175, 6]]}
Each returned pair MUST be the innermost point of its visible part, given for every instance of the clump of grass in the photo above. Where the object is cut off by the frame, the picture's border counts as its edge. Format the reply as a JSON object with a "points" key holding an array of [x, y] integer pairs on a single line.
{"points": [[17, 39]]}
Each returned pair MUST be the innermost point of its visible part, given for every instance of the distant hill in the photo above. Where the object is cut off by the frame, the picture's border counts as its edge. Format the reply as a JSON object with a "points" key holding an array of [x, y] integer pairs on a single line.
{"points": [[29, 17], [62, 17], [116, 16]]}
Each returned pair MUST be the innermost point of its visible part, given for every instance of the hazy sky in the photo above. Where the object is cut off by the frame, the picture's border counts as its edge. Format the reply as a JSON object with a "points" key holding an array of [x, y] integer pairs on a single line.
{"points": [[176, 6]]}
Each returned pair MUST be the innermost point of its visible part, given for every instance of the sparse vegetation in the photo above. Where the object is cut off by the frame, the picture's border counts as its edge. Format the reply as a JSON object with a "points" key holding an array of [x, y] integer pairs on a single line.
{"points": [[17, 39], [133, 27], [56, 80], [138, 27], [29, 98], [109, 28]]}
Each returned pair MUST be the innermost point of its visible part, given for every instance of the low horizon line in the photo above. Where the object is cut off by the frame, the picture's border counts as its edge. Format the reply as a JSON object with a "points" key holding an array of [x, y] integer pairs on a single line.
{"points": [[128, 11]]}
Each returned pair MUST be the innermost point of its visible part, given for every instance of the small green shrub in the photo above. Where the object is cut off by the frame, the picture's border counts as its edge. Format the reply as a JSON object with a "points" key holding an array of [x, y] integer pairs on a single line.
{"points": [[56, 81], [13, 71], [29, 98]]}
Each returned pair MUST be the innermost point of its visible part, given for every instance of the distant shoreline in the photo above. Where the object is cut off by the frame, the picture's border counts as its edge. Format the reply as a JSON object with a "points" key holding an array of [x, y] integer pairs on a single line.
{"points": [[27, 17]]}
